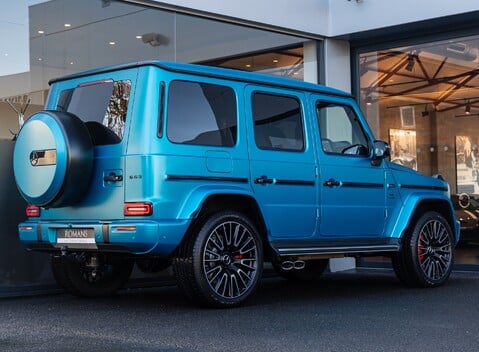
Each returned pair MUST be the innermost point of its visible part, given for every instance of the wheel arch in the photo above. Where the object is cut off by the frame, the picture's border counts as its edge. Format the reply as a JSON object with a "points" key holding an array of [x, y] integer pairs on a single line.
{"points": [[423, 205], [240, 202]]}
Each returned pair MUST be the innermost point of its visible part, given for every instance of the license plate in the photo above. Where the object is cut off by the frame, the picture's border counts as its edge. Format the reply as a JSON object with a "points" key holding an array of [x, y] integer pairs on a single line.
{"points": [[77, 236]]}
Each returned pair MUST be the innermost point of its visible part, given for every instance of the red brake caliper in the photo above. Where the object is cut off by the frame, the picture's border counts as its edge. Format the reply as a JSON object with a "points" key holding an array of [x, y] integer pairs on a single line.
{"points": [[420, 251]]}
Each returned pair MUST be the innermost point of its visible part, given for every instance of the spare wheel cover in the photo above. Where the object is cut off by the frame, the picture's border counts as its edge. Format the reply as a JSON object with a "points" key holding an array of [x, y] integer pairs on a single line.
{"points": [[53, 159]]}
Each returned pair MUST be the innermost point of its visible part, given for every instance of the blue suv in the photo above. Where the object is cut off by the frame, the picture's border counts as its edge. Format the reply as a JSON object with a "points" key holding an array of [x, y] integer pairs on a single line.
{"points": [[214, 172]]}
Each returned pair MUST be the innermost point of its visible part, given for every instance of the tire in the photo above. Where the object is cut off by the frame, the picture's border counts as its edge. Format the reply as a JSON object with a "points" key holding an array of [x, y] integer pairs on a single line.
{"points": [[77, 278], [427, 253], [55, 149], [221, 264], [312, 271]]}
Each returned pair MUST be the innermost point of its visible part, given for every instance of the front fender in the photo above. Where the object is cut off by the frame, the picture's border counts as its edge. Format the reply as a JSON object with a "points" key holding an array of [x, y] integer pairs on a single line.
{"points": [[422, 201]]}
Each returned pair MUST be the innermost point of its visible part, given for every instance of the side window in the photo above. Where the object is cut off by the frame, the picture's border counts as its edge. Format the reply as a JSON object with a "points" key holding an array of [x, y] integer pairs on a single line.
{"points": [[102, 106], [341, 131], [277, 122], [201, 114]]}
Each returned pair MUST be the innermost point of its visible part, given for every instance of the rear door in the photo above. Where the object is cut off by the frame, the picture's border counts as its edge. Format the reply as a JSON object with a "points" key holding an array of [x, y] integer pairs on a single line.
{"points": [[282, 162], [103, 102]]}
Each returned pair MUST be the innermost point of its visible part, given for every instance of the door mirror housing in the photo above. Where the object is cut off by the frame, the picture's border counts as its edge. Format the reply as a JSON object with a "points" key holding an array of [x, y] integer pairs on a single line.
{"points": [[381, 150]]}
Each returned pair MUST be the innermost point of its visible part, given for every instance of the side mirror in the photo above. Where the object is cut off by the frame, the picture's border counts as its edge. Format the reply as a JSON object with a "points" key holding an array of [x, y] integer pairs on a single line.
{"points": [[381, 151]]}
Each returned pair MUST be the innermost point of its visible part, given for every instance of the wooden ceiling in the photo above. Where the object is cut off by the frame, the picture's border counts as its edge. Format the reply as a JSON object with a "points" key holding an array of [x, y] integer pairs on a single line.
{"points": [[445, 75]]}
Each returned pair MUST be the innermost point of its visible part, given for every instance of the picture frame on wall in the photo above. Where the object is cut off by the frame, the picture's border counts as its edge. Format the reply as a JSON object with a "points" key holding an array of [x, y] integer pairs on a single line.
{"points": [[403, 147], [467, 171], [407, 117]]}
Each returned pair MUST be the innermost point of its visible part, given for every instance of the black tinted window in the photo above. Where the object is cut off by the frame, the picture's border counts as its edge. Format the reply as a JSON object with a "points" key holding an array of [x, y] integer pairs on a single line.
{"points": [[277, 122], [200, 113]]}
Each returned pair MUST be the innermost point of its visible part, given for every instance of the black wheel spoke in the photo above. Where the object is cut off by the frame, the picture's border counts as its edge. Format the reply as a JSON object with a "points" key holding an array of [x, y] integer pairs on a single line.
{"points": [[213, 273], [214, 241], [212, 256]]}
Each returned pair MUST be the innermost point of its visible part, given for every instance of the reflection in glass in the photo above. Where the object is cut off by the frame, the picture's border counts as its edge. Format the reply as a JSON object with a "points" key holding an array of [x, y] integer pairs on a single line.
{"points": [[436, 83]]}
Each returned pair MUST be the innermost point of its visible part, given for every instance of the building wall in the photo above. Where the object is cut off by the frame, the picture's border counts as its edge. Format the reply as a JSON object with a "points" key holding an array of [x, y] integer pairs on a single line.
{"points": [[330, 17], [311, 16]]}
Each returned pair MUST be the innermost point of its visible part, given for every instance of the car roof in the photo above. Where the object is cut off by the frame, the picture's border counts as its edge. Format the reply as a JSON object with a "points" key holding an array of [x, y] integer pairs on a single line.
{"points": [[216, 72]]}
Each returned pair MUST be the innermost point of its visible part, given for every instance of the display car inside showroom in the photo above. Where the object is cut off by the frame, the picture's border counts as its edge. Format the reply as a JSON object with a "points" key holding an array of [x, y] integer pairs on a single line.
{"points": [[419, 91]]}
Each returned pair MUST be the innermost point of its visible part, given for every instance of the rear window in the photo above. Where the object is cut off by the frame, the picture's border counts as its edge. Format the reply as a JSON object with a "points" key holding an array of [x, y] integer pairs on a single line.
{"points": [[102, 106], [201, 114]]}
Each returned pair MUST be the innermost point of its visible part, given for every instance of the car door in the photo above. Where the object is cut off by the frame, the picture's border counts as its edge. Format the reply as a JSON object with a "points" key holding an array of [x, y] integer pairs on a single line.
{"points": [[282, 162], [352, 190], [103, 102]]}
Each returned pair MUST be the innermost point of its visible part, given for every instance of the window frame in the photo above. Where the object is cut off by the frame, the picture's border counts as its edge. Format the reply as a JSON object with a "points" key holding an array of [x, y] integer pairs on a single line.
{"points": [[95, 126], [356, 117], [299, 101], [167, 110]]}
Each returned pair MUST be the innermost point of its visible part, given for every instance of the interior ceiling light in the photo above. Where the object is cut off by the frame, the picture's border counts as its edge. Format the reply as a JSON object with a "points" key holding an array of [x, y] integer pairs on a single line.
{"points": [[410, 62], [462, 51], [67, 25], [467, 111], [425, 112]]}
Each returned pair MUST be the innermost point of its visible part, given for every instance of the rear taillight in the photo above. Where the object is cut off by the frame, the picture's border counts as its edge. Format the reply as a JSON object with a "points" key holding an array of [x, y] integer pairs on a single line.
{"points": [[137, 209], [32, 211]]}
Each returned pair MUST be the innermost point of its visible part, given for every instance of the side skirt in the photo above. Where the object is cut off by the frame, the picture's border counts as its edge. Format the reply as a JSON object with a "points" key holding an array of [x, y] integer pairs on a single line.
{"points": [[317, 249]]}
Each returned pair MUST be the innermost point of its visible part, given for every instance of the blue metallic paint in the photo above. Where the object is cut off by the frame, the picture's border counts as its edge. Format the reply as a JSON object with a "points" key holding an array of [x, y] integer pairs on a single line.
{"points": [[41, 132], [291, 211]]}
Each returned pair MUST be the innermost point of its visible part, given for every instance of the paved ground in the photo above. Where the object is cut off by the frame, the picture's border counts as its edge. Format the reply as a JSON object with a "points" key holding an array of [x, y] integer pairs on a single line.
{"points": [[360, 311]]}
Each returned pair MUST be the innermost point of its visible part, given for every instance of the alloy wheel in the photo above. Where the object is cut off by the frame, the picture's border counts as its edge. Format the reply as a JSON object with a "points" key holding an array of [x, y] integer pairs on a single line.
{"points": [[435, 250], [230, 259]]}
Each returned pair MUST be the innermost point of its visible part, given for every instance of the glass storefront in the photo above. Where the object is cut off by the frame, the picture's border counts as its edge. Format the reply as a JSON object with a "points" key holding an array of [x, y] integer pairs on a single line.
{"points": [[424, 100], [60, 37], [285, 62], [41, 40]]}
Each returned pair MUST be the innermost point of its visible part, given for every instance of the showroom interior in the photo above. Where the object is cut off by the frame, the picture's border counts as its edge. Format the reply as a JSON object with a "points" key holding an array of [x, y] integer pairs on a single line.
{"points": [[419, 93]]}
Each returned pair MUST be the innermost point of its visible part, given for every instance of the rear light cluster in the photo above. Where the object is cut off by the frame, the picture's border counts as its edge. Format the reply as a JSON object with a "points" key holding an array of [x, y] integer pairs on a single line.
{"points": [[129, 209], [32, 211], [137, 209]]}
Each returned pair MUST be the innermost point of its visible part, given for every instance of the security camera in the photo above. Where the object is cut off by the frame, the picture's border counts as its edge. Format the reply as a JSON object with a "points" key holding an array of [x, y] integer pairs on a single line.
{"points": [[154, 39]]}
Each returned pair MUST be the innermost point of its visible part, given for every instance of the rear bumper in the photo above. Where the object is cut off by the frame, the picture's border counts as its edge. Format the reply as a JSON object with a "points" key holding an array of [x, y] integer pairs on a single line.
{"points": [[134, 237]]}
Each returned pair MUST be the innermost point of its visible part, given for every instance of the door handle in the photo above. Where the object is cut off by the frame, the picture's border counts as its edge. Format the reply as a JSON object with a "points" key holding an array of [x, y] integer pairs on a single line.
{"points": [[331, 183], [263, 180], [113, 178]]}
